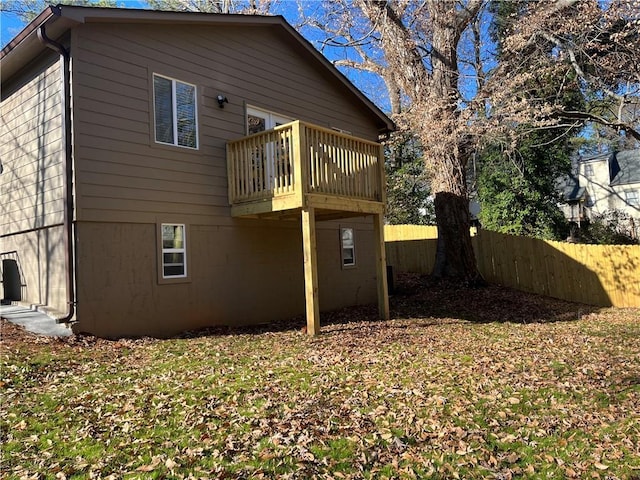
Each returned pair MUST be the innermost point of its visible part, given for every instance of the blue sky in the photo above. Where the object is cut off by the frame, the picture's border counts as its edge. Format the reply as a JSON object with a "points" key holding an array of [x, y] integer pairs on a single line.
{"points": [[11, 26]]}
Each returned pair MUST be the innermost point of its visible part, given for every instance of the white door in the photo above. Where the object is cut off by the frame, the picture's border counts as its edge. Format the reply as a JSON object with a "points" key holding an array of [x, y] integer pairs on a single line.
{"points": [[258, 121]]}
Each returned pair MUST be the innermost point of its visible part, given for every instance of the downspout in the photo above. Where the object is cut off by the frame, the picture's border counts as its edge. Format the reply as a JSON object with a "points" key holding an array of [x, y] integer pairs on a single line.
{"points": [[68, 166]]}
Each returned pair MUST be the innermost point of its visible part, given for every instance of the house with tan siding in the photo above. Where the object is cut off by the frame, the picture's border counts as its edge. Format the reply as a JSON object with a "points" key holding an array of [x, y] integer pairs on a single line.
{"points": [[169, 171]]}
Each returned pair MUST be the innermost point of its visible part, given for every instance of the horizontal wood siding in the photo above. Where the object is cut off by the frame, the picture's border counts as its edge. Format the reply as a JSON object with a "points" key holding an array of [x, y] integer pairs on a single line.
{"points": [[31, 149], [123, 175], [245, 274], [41, 265]]}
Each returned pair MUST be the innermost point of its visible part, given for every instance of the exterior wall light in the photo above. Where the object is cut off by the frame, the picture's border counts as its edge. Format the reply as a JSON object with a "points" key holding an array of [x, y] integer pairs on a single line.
{"points": [[222, 100]]}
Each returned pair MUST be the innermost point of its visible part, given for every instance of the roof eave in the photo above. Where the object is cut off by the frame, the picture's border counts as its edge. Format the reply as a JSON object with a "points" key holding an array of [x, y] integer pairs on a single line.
{"points": [[26, 46], [45, 15], [385, 120]]}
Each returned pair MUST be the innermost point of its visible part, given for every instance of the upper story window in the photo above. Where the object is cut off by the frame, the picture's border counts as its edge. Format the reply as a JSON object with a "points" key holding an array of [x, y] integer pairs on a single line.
{"points": [[175, 112], [632, 197], [588, 171]]}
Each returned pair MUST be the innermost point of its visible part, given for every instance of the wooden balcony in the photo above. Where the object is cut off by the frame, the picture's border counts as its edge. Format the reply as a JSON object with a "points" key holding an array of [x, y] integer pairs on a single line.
{"points": [[279, 172]]}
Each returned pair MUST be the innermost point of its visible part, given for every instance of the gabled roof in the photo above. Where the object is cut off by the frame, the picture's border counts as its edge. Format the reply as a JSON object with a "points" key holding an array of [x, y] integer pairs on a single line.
{"points": [[598, 157], [60, 19], [628, 162]]}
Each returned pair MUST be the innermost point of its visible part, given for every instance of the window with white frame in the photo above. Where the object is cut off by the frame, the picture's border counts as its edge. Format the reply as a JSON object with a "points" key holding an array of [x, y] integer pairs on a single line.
{"points": [[174, 251], [175, 112], [347, 242], [632, 197]]}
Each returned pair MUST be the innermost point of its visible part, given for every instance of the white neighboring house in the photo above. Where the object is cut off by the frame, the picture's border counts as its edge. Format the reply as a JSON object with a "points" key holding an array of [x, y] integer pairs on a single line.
{"points": [[605, 182]]}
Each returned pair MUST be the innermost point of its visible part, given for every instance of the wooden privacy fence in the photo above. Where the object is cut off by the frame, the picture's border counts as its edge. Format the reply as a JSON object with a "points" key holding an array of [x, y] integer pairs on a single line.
{"points": [[602, 275]]}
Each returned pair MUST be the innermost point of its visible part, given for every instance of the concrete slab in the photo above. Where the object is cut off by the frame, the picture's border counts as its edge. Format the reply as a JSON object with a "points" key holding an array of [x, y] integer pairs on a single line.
{"points": [[34, 321]]}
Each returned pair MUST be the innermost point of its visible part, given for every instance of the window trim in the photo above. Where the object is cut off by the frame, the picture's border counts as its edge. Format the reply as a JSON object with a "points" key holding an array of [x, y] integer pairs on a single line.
{"points": [[185, 277], [174, 109], [271, 117], [343, 248], [632, 197]]}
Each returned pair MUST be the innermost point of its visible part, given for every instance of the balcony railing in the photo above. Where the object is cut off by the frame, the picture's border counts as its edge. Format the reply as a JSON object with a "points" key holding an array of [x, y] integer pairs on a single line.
{"points": [[296, 162]]}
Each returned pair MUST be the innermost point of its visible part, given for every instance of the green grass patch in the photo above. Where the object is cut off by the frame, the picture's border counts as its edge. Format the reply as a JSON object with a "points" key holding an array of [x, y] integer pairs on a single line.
{"points": [[399, 399]]}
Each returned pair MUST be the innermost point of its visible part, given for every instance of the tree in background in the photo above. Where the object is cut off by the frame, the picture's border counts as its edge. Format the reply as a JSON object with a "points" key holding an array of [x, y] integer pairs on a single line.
{"points": [[409, 198], [517, 188], [594, 42], [517, 182], [259, 7], [458, 95], [27, 10], [415, 46], [612, 227], [421, 44]]}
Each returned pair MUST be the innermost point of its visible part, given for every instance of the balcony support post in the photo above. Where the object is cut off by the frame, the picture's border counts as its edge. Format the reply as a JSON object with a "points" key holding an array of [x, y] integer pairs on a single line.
{"points": [[381, 266], [301, 154], [310, 270]]}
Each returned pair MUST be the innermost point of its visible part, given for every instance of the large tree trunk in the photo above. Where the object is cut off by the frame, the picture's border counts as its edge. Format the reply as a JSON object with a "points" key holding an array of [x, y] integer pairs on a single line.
{"points": [[434, 116], [447, 154], [455, 258]]}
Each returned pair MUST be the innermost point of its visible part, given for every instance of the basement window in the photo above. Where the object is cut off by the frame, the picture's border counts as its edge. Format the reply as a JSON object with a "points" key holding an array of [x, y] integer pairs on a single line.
{"points": [[347, 242], [175, 112], [174, 250]]}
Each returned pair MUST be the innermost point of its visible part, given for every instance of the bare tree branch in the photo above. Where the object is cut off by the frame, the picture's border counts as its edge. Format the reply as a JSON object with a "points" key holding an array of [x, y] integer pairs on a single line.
{"points": [[628, 128]]}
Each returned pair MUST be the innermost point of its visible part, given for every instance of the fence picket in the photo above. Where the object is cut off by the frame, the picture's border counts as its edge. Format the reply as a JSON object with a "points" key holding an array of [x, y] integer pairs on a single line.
{"points": [[592, 274]]}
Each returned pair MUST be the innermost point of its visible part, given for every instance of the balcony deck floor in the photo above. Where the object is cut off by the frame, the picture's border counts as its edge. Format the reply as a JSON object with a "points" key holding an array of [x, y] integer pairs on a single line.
{"points": [[327, 207]]}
